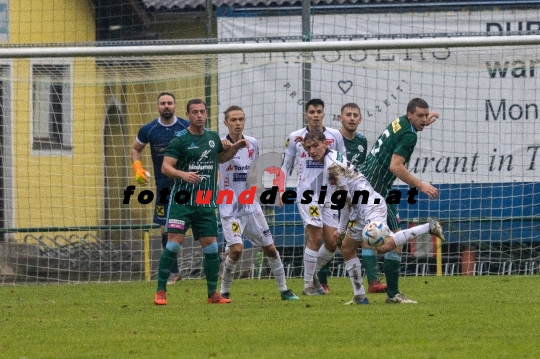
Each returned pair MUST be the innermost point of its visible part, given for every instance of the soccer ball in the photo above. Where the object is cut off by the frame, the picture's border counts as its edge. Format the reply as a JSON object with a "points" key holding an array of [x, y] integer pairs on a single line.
{"points": [[375, 233]]}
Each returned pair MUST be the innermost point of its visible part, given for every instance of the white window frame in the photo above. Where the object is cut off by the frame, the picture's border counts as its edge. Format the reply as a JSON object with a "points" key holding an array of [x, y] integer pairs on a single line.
{"points": [[48, 143]]}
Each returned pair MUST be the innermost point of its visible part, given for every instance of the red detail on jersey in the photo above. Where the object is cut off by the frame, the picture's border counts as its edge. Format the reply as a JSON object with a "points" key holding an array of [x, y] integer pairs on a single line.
{"points": [[329, 141], [230, 168], [250, 153], [303, 155]]}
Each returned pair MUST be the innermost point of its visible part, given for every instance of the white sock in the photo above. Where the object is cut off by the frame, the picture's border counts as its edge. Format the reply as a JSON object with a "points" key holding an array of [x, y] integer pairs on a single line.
{"points": [[354, 268], [228, 273], [323, 256], [310, 262], [277, 268], [405, 235]]}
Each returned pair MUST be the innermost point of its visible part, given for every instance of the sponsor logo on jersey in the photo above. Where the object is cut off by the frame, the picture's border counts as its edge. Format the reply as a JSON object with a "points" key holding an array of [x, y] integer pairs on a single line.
{"points": [[303, 155], [250, 153], [159, 148], [192, 146], [230, 168], [204, 155], [239, 177], [201, 166], [395, 125], [235, 226], [314, 164], [329, 141], [241, 168], [160, 211]]}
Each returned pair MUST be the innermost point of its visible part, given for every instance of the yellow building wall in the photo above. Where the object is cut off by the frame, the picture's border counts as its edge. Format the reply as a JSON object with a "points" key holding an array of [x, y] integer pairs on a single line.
{"points": [[51, 21], [67, 189], [60, 189]]}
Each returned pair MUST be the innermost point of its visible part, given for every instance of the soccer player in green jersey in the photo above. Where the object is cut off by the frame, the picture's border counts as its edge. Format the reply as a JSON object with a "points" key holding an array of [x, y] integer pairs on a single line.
{"points": [[387, 161], [191, 159], [356, 145]]}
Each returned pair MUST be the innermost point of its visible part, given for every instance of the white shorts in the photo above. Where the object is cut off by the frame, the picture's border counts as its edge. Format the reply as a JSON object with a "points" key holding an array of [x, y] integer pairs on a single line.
{"points": [[362, 214], [252, 225], [318, 215]]}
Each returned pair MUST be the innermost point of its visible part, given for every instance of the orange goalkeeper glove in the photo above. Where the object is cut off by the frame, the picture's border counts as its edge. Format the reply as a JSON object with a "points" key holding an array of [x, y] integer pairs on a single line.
{"points": [[140, 173]]}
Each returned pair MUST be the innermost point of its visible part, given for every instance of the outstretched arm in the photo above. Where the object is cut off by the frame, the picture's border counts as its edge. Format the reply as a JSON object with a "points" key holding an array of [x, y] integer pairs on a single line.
{"points": [[229, 153], [432, 117], [397, 167]]}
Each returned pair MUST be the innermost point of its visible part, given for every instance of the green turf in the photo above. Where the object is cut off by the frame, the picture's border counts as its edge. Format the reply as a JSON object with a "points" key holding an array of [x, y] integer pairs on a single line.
{"points": [[457, 317]]}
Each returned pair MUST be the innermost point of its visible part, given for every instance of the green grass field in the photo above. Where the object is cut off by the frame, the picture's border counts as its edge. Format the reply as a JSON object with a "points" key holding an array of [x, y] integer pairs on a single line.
{"points": [[457, 317]]}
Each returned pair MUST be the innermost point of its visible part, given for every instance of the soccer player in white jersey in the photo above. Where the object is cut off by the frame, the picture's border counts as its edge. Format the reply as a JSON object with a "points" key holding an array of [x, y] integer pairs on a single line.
{"points": [[247, 219], [349, 188], [320, 221]]}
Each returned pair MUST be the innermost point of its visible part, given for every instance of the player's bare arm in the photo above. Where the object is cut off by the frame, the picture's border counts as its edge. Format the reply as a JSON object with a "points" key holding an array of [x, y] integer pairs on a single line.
{"points": [[397, 167], [136, 151], [169, 170], [227, 155], [226, 144]]}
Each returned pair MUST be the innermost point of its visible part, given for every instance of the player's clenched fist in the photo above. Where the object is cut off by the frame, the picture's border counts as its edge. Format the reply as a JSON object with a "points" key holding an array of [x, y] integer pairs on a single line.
{"points": [[140, 173]]}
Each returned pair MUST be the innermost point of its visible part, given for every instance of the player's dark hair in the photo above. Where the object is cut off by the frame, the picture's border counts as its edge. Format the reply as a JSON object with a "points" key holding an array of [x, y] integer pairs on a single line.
{"points": [[315, 102], [165, 94], [232, 108], [416, 102], [195, 101], [351, 105], [315, 136]]}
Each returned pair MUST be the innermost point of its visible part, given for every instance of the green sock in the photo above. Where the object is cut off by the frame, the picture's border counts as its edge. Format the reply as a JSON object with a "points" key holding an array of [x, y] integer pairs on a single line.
{"points": [[391, 272], [323, 273], [369, 262], [166, 263], [211, 270]]}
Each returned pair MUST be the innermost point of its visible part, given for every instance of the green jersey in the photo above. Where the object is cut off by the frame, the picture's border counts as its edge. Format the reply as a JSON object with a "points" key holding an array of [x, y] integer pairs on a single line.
{"points": [[356, 150], [196, 153], [399, 138]]}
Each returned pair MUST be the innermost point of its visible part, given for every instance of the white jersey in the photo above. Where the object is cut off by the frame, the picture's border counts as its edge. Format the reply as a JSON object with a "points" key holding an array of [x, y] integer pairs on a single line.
{"points": [[310, 172], [341, 175], [233, 175]]}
